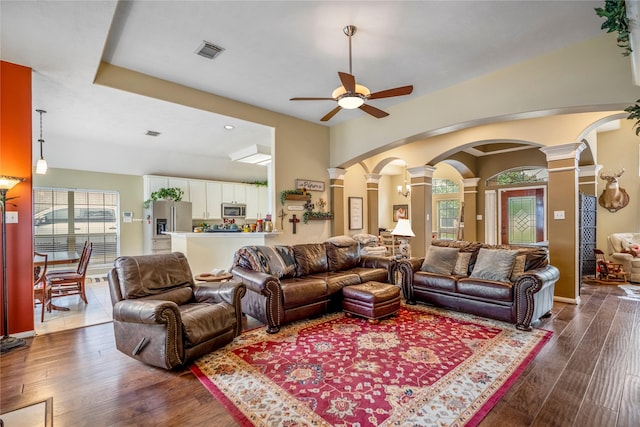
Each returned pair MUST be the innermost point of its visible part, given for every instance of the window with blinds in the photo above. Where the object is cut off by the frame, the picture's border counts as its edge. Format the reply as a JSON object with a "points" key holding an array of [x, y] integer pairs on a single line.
{"points": [[64, 219]]}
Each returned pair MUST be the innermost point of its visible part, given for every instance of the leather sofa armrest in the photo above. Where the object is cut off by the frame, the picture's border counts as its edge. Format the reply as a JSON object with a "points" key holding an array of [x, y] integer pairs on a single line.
{"points": [[528, 306], [254, 280], [147, 311], [229, 292]]}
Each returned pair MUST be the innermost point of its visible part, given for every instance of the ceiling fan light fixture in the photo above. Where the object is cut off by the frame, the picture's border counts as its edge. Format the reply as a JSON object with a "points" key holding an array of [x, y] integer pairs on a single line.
{"points": [[349, 101]]}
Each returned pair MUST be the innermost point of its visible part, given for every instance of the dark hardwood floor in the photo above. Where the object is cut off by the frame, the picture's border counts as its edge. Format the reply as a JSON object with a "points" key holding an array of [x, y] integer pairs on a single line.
{"points": [[587, 375]]}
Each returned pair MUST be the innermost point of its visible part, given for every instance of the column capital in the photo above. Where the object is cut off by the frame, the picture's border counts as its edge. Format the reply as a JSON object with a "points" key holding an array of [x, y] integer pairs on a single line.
{"points": [[421, 171], [470, 182], [336, 173], [589, 170], [372, 178], [564, 151]]}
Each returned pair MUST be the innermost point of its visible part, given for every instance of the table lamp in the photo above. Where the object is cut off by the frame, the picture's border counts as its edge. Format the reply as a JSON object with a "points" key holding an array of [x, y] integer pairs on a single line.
{"points": [[403, 231], [7, 342]]}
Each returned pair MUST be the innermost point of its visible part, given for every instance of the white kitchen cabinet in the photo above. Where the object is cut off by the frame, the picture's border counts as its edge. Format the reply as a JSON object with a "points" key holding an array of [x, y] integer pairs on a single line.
{"points": [[153, 183], [214, 200], [257, 203], [182, 184], [234, 192], [197, 191], [206, 198]]}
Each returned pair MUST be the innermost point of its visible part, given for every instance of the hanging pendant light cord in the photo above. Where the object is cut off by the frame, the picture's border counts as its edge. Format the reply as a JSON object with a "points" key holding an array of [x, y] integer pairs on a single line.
{"points": [[41, 141]]}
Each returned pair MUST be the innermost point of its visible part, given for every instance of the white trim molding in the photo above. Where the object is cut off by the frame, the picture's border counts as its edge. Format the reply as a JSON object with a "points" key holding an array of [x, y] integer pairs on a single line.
{"points": [[564, 151], [372, 178], [421, 171], [336, 173], [589, 170]]}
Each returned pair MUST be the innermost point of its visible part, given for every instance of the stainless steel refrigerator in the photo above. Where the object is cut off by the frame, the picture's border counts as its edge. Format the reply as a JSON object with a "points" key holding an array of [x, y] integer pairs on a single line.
{"points": [[161, 217]]}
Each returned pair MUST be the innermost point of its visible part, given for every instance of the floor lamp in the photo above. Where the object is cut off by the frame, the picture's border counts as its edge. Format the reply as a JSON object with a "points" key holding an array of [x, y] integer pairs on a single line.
{"points": [[6, 343]]}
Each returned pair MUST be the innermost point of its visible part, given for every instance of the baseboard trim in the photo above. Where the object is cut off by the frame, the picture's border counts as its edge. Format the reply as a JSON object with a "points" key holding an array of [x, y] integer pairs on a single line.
{"points": [[574, 301]]}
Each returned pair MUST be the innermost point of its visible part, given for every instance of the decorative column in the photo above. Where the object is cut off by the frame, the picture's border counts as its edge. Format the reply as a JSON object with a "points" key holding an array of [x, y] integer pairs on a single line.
{"points": [[336, 198], [562, 217], [588, 179], [421, 208], [470, 209], [372, 202]]}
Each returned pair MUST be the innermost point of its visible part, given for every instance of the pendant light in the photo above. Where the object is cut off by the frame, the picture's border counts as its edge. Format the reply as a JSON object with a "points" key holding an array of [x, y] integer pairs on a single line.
{"points": [[41, 166], [406, 189]]}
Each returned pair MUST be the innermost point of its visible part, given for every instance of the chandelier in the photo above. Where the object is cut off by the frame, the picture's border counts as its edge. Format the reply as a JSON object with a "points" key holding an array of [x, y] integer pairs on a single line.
{"points": [[405, 190]]}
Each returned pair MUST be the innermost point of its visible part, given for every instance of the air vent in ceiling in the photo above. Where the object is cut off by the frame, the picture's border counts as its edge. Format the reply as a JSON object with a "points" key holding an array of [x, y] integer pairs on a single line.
{"points": [[209, 50], [152, 133]]}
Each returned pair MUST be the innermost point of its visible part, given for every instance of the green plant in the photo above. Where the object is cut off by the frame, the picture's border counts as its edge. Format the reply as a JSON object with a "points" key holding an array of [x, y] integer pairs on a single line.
{"points": [[615, 12], [634, 114], [257, 183], [285, 193], [173, 193], [307, 215]]}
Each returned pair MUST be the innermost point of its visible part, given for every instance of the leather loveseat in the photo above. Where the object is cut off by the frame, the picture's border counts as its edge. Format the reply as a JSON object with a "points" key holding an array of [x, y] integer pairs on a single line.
{"points": [[162, 318], [522, 296], [287, 283]]}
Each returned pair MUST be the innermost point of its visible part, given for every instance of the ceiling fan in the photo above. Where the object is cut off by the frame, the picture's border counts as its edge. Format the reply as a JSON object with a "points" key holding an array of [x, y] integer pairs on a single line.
{"points": [[351, 95]]}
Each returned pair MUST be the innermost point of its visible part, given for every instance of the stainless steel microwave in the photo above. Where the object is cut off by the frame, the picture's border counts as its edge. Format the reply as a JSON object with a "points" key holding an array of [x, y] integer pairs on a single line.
{"points": [[234, 210]]}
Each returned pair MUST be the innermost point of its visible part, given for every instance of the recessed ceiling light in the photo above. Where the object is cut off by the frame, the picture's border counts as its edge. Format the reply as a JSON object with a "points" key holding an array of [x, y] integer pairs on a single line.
{"points": [[229, 127], [152, 133]]}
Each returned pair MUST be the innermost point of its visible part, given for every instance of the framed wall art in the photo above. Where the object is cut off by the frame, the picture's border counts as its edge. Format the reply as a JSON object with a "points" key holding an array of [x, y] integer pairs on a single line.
{"points": [[400, 212], [355, 213]]}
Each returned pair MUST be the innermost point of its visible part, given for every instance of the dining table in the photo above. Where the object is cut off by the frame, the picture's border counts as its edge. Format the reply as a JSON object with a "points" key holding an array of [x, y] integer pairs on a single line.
{"points": [[55, 258]]}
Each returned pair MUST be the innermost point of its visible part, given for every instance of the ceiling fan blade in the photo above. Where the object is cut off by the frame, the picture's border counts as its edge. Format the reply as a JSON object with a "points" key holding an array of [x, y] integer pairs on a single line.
{"points": [[397, 91], [330, 114], [312, 99], [348, 81], [375, 112]]}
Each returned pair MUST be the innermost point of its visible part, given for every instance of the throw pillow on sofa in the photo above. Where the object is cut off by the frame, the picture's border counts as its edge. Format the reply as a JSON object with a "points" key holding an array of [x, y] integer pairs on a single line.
{"points": [[518, 267], [440, 260], [494, 264], [276, 260], [462, 264]]}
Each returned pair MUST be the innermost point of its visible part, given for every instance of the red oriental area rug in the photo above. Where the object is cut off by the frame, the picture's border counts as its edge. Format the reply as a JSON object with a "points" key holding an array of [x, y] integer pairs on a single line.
{"points": [[422, 367]]}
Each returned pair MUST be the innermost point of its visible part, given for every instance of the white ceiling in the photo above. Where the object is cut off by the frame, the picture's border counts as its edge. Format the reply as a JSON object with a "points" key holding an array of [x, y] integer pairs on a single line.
{"points": [[275, 50]]}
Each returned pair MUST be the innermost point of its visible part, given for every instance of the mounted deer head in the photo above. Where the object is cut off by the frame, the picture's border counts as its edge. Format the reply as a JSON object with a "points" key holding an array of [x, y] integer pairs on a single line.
{"points": [[613, 198]]}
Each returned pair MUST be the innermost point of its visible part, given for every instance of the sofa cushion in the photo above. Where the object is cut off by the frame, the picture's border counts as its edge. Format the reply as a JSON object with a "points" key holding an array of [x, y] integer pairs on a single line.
{"points": [[275, 260], [202, 322], [298, 292], [310, 258], [342, 253], [440, 260], [494, 264], [433, 281], [486, 289], [337, 280], [370, 274]]}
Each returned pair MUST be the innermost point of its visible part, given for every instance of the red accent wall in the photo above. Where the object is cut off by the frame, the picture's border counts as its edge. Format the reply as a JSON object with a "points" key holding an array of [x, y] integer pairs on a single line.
{"points": [[15, 160]]}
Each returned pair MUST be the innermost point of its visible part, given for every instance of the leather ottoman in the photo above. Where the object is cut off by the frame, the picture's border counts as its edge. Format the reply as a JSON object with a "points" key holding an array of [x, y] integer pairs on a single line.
{"points": [[372, 300]]}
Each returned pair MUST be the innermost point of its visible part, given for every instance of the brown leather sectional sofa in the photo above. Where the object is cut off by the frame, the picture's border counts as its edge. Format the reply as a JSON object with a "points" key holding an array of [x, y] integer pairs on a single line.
{"points": [[288, 283], [521, 301]]}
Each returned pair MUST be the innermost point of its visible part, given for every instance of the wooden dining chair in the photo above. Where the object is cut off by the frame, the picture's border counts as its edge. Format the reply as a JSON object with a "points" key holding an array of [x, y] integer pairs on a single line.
{"points": [[41, 292], [64, 283]]}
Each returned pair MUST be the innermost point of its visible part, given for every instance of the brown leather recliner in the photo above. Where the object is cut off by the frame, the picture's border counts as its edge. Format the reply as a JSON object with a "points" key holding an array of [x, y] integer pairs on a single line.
{"points": [[162, 318]]}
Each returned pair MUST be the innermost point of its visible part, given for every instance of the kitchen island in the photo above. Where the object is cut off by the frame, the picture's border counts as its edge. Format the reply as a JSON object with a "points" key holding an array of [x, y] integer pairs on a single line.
{"points": [[207, 251]]}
